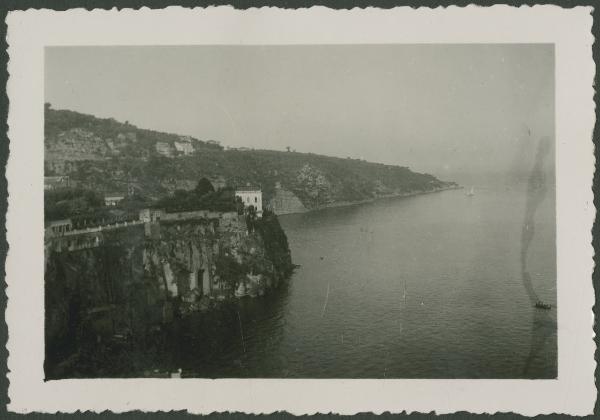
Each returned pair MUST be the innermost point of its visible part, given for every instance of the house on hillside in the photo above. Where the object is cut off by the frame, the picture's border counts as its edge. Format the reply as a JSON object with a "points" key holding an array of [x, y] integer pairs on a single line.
{"points": [[214, 144], [151, 215], [251, 196], [112, 199], [58, 227], [184, 145], [56, 182], [164, 148]]}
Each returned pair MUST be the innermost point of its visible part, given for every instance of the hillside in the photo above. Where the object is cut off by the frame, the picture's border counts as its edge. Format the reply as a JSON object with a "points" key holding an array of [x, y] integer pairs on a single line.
{"points": [[106, 155]]}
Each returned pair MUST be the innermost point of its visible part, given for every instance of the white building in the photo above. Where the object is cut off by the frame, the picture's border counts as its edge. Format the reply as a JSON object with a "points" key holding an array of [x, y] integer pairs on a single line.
{"points": [[112, 199], [58, 227], [56, 182], [185, 146], [251, 196], [151, 215]]}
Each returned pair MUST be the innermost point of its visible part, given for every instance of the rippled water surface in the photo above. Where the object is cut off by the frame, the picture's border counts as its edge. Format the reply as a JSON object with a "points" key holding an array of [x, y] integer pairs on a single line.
{"points": [[427, 286]]}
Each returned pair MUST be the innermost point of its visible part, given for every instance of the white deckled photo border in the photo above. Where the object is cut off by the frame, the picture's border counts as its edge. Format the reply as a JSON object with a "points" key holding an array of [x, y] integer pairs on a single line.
{"points": [[29, 32]]}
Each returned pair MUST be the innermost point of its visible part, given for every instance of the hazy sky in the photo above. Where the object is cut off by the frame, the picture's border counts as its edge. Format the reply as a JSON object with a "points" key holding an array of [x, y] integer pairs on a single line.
{"points": [[442, 109]]}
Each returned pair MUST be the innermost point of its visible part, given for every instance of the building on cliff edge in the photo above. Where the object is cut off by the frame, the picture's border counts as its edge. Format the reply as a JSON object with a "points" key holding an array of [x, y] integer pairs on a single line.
{"points": [[151, 215], [58, 227], [251, 196]]}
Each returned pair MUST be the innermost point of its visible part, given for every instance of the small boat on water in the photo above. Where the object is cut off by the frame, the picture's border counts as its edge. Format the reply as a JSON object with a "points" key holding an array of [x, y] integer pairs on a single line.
{"points": [[542, 305], [471, 192]]}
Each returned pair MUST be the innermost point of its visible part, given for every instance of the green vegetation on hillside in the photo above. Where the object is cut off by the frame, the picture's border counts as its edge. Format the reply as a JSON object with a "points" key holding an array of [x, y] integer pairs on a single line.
{"points": [[124, 155], [86, 208], [198, 199], [65, 203], [60, 121], [84, 205]]}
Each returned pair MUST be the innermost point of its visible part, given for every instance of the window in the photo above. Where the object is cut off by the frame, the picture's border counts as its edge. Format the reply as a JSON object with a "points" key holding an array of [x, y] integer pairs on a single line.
{"points": [[255, 199]]}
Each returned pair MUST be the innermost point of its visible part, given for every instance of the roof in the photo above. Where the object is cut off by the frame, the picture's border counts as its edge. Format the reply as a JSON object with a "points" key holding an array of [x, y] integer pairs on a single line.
{"points": [[247, 188], [58, 222]]}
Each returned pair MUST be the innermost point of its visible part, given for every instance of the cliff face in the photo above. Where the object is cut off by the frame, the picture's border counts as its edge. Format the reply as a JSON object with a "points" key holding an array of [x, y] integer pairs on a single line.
{"points": [[127, 282], [111, 156], [285, 202]]}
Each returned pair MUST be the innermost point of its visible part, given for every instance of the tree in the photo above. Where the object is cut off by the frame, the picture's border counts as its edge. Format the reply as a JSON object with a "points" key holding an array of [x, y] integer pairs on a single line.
{"points": [[252, 212], [250, 218], [70, 202], [204, 187], [239, 205]]}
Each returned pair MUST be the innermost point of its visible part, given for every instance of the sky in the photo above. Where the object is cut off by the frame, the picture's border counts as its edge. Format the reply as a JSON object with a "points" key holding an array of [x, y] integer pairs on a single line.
{"points": [[442, 109]]}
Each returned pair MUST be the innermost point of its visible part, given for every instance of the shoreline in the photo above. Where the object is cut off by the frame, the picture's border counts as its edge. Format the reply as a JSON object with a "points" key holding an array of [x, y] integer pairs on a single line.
{"points": [[371, 200]]}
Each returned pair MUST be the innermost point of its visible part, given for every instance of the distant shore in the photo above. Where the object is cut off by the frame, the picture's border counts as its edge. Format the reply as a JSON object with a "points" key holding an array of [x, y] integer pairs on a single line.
{"points": [[371, 200]]}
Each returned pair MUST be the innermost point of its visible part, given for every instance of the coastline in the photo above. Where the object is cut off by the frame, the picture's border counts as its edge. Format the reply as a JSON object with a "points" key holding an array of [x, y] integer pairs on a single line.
{"points": [[371, 200]]}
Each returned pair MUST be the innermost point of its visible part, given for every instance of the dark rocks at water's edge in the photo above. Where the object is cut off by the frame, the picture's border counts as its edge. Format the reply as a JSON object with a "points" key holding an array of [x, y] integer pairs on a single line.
{"points": [[112, 301]]}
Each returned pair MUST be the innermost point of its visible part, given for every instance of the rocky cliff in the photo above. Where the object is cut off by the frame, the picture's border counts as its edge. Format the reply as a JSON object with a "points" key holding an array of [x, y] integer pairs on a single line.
{"points": [[127, 283]]}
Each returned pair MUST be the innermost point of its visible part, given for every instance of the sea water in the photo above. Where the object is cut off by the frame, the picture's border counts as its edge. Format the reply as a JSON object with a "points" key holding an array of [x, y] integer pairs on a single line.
{"points": [[429, 286]]}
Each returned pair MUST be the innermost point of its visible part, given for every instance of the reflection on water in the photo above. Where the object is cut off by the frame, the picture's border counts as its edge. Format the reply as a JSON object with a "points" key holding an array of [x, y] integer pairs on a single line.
{"points": [[418, 287]]}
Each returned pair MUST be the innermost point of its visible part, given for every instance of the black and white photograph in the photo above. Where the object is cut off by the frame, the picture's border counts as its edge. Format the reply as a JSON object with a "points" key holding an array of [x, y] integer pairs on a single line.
{"points": [[215, 217], [347, 211]]}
